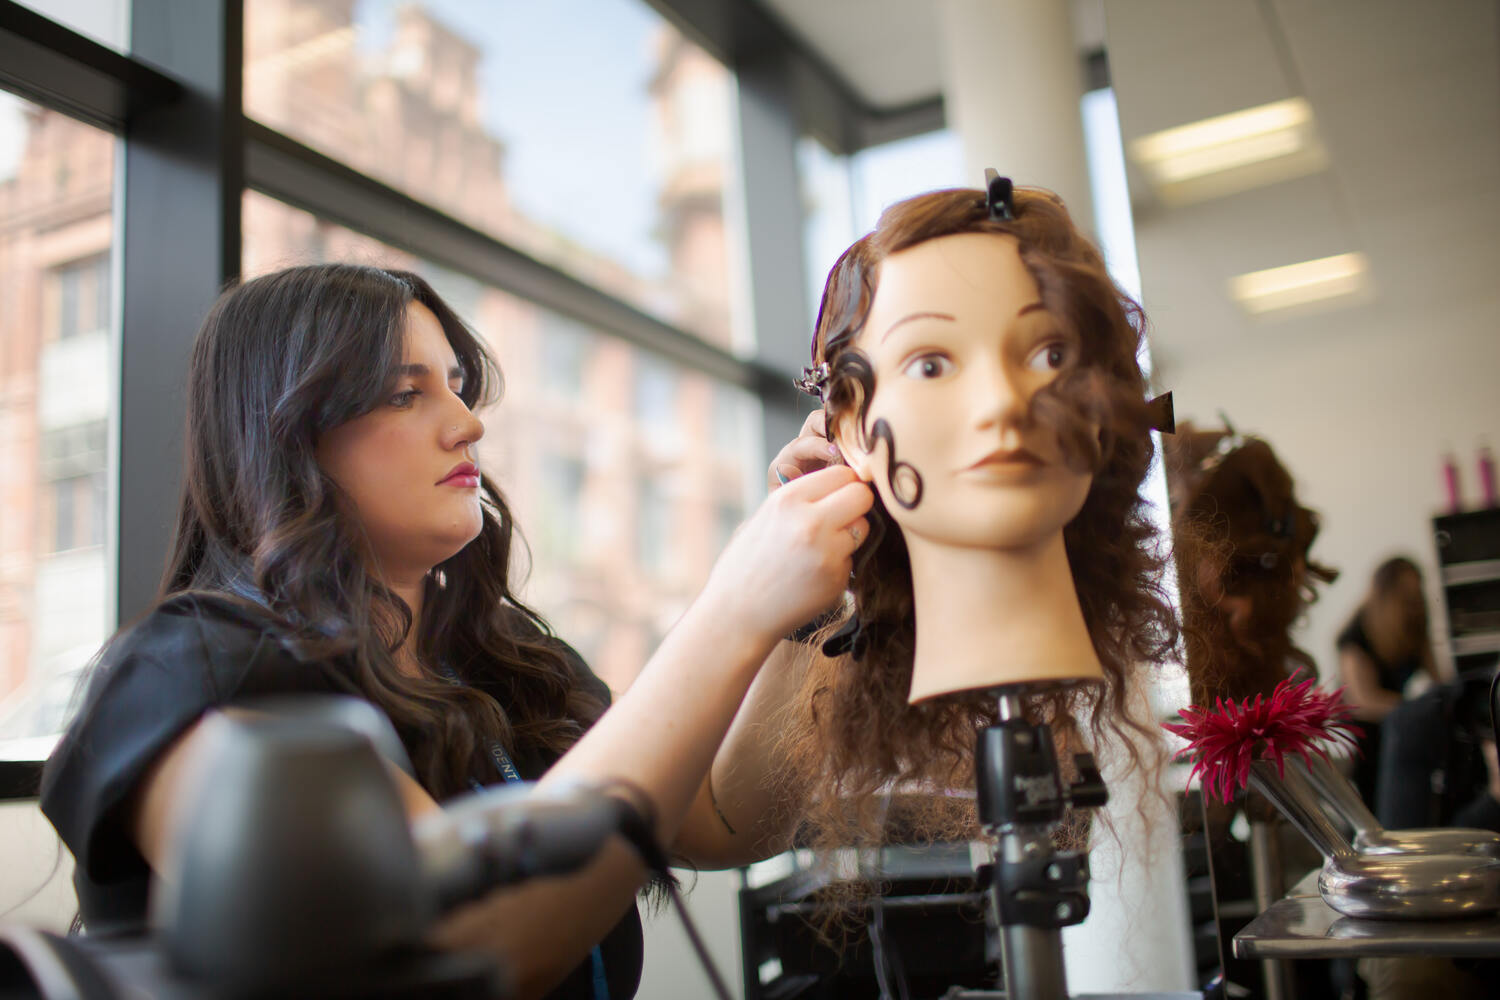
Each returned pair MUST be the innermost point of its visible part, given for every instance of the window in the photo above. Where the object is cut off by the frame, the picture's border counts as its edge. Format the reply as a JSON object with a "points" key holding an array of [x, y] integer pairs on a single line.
{"points": [[73, 466], [105, 21], [622, 522], [591, 135], [845, 195], [83, 304], [57, 370]]}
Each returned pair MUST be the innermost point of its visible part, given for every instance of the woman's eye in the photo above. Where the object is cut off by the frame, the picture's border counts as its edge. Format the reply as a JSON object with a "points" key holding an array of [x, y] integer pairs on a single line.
{"points": [[1050, 357], [405, 398], [928, 366]]}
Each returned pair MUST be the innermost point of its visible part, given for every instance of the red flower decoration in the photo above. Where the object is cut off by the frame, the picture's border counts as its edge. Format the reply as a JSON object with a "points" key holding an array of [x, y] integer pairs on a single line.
{"points": [[1298, 719]]}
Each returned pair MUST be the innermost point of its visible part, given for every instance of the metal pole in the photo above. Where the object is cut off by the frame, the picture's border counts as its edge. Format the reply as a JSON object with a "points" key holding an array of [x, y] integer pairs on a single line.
{"points": [[1032, 955], [1269, 883]]}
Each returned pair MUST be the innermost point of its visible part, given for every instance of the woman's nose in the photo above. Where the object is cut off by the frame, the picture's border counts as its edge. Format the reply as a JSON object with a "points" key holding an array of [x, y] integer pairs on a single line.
{"points": [[464, 426]]}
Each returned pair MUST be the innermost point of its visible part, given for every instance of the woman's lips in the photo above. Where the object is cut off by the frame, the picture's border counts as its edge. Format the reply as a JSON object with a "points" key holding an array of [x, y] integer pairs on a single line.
{"points": [[465, 475]]}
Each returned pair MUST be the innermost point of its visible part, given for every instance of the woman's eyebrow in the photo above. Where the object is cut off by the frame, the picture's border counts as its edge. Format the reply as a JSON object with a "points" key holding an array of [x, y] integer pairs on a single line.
{"points": [[912, 316], [1030, 307], [418, 370]]}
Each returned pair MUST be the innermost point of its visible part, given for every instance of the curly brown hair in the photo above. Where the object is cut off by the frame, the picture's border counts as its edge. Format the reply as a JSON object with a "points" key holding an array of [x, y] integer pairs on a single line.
{"points": [[1243, 547], [852, 731]]}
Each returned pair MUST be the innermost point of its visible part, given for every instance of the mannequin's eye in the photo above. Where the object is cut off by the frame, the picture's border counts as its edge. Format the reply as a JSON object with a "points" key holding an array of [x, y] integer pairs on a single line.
{"points": [[1050, 357], [928, 366]]}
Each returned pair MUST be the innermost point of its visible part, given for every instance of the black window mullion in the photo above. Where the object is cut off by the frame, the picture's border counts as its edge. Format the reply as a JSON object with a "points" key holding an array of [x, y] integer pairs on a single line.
{"points": [[63, 70], [182, 188]]}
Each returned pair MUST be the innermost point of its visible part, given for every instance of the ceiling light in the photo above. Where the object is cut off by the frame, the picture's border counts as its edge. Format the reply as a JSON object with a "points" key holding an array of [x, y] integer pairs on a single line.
{"points": [[1231, 152], [1299, 284]]}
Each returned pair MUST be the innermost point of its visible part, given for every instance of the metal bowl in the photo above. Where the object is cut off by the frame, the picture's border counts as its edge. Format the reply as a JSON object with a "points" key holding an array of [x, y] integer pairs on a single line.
{"points": [[1449, 840], [1411, 886]]}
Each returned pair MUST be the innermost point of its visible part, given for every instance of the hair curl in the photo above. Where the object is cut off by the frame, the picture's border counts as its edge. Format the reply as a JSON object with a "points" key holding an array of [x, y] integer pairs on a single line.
{"points": [[853, 731], [279, 361]]}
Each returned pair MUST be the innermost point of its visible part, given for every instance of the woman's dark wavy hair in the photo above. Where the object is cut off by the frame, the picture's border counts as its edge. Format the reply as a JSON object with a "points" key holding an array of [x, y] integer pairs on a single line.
{"points": [[279, 361], [1243, 547], [854, 731]]}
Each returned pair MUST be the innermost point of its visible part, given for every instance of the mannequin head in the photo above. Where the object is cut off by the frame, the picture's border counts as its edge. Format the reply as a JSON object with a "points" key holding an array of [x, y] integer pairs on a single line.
{"points": [[1243, 553], [983, 376]]}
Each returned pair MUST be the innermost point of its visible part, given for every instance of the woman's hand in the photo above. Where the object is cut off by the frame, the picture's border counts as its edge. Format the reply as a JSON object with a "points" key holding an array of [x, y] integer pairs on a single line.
{"points": [[808, 452], [791, 560]]}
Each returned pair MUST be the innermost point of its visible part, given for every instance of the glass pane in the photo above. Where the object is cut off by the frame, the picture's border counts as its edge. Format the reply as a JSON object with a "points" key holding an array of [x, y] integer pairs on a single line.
{"points": [[105, 21], [627, 473], [588, 133], [844, 195], [57, 373]]}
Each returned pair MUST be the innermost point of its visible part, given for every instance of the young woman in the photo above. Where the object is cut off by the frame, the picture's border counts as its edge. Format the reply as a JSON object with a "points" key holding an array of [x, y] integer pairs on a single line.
{"points": [[1385, 643], [335, 534]]}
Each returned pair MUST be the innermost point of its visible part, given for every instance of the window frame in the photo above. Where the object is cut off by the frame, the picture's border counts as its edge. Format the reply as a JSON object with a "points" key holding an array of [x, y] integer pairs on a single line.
{"points": [[176, 99]]}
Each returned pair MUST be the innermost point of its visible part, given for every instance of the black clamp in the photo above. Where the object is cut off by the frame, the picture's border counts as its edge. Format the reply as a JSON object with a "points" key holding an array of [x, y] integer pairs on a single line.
{"points": [[1019, 783], [1045, 892], [999, 196]]}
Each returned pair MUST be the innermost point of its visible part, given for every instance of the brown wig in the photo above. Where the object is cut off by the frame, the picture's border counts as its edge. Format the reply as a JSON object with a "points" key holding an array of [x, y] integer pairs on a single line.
{"points": [[279, 361], [1242, 544], [853, 730]]}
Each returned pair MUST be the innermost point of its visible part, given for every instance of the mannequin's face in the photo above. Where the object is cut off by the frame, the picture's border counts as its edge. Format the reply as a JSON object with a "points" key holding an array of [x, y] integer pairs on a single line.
{"points": [[960, 342]]}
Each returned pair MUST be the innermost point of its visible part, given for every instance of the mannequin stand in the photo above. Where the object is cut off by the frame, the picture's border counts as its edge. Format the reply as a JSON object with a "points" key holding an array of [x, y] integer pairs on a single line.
{"points": [[1035, 889]]}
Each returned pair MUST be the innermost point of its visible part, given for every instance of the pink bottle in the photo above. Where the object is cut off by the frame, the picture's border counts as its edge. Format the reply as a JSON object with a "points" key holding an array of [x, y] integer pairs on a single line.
{"points": [[1450, 482]]}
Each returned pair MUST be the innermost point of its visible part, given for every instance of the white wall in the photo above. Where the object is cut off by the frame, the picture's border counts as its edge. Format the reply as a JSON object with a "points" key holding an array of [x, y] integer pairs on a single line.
{"points": [[36, 871], [672, 970]]}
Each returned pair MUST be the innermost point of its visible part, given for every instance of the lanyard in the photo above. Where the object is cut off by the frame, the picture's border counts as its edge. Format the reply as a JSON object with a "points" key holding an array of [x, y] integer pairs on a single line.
{"points": [[510, 773]]}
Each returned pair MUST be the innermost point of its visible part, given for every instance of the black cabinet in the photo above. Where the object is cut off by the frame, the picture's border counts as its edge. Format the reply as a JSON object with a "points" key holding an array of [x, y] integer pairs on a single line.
{"points": [[1468, 553]]}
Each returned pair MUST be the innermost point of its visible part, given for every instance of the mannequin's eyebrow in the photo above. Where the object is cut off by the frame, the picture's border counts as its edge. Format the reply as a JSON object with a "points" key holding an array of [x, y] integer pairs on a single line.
{"points": [[908, 318], [1030, 307]]}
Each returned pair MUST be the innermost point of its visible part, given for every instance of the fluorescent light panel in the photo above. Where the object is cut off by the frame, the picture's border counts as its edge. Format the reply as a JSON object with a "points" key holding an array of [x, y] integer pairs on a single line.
{"points": [[1231, 152], [1299, 284]]}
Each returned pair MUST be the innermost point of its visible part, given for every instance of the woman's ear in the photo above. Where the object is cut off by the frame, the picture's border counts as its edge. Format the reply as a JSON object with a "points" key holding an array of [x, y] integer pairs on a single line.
{"points": [[847, 436]]}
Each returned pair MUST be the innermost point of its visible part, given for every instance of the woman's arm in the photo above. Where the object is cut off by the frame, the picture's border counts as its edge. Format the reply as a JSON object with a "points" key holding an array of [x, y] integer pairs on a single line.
{"points": [[789, 561], [745, 809]]}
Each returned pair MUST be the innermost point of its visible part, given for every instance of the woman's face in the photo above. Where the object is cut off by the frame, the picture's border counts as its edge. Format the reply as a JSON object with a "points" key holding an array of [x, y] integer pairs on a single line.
{"points": [[960, 342], [408, 465]]}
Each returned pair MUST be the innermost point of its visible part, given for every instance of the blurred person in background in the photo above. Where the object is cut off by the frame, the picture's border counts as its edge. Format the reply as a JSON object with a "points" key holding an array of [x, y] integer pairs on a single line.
{"points": [[1383, 646]]}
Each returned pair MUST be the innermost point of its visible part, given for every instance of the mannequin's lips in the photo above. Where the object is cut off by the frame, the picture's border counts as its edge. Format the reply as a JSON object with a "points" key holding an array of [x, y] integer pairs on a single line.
{"points": [[1014, 457], [1006, 467]]}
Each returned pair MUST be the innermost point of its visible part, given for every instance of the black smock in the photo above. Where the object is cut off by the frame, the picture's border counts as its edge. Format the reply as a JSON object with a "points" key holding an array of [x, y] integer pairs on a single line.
{"points": [[190, 655], [1391, 677]]}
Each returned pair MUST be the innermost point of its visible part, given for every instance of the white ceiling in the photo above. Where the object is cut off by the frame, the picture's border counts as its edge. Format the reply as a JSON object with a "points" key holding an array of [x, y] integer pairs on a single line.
{"points": [[1406, 98], [887, 50], [1405, 94]]}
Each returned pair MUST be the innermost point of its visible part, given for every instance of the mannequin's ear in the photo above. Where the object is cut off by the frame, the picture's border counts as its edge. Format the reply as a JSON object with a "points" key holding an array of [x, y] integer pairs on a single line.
{"points": [[852, 445]]}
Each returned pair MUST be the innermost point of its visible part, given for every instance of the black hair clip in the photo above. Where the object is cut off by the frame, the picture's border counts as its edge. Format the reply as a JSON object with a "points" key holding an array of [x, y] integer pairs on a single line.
{"points": [[1162, 417], [813, 379], [999, 198]]}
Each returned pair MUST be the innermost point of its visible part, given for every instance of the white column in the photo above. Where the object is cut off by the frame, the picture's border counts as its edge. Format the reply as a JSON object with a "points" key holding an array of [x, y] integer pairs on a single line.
{"points": [[1013, 87], [1012, 84], [1137, 936]]}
